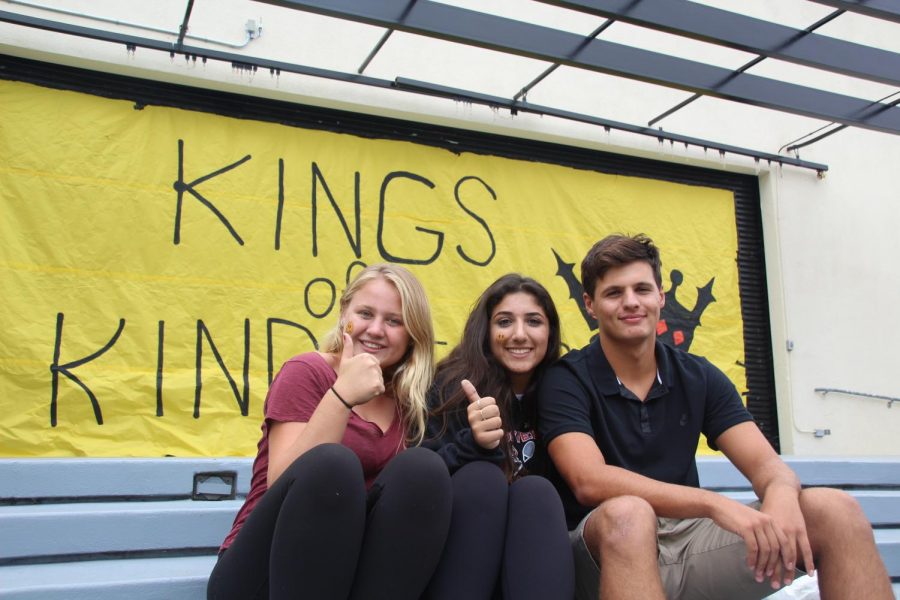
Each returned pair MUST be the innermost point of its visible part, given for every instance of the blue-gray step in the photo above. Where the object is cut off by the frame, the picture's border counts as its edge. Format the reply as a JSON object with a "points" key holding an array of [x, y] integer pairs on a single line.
{"points": [[182, 578]]}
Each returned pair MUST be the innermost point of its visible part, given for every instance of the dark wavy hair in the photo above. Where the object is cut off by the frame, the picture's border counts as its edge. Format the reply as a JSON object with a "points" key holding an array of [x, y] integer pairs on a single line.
{"points": [[472, 358]]}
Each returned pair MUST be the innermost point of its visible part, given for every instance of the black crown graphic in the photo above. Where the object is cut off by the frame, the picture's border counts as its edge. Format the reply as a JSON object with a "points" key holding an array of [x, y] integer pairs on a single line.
{"points": [[676, 323]]}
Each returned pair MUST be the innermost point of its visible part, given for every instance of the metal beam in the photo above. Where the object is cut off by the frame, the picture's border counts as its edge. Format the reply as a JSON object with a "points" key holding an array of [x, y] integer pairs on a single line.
{"points": [[748, 34], [534, 41], [804, 141], [407, 85], [527, 88], [752, 63], [889, 10], [384, 38], [663, 136], [182, 31], [237, 60]]}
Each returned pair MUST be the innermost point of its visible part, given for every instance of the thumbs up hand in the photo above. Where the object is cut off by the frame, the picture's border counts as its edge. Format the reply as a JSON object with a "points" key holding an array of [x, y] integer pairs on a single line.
{"points": [[359, 376], [484, 417]]}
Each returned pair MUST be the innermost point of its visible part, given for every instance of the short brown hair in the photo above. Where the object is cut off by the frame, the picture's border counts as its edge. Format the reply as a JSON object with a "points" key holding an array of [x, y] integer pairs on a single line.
{"points": [[615, 251]]}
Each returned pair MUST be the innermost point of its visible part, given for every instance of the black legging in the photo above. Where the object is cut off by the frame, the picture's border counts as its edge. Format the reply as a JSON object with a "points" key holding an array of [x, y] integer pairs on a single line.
{"points": [[317, 533], [515, 531]]}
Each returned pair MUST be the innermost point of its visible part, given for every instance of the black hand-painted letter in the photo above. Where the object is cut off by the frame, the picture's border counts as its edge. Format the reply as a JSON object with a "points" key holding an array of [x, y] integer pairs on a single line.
{"points": [[438, 234], [477, 218], [355, 242], [270, 344], [56, 369], [181, 187], [243, 402]]}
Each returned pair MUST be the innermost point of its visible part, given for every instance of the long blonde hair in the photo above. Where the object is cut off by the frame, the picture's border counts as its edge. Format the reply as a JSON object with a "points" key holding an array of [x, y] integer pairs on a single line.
{"points": [[412, 376]]}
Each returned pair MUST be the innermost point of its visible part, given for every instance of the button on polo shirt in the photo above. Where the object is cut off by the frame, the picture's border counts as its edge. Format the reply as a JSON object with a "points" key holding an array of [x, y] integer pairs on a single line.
{"points": [[656, 438], [657, 390]]}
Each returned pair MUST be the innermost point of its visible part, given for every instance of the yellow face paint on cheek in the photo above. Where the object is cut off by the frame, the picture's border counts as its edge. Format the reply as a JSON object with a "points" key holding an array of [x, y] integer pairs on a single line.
{"points": [[349, 328]]}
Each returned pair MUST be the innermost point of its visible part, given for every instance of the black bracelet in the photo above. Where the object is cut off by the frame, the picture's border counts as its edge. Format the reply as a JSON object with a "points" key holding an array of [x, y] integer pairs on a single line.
{"points": [[344, 402]]}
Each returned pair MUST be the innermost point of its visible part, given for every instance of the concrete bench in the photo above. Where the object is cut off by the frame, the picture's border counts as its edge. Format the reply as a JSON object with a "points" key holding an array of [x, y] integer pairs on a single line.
{"points": [[874, 482], [115, 528], [150, 528]]}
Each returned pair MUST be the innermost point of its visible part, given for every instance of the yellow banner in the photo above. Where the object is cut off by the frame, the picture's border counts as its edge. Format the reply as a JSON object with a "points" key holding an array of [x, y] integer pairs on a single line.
{"points": [[158, 264]]}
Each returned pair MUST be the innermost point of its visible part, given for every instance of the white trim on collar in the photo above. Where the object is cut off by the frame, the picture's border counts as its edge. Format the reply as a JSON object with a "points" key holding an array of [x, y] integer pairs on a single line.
{"points": [[658, 378]]}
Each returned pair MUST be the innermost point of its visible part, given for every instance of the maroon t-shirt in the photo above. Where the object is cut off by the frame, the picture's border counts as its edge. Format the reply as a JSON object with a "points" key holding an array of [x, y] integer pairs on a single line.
{"points": [[295, 393]]}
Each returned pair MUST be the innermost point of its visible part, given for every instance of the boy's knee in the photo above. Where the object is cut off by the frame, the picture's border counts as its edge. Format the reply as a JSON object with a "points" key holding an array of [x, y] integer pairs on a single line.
{"points": [[626, 513], [621, 523], [829, 508]]}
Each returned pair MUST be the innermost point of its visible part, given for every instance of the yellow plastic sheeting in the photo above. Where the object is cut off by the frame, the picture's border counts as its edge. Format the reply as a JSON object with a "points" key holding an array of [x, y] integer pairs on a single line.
{"points": [[155, 262]]}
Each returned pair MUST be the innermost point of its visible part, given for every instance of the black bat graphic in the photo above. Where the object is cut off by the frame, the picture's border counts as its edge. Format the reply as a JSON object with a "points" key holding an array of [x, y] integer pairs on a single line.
{"points": [[576, 292]]}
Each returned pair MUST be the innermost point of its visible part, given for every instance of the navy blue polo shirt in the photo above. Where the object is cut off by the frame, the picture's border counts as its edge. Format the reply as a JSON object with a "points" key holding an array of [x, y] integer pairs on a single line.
{"points": [[656, 438]]}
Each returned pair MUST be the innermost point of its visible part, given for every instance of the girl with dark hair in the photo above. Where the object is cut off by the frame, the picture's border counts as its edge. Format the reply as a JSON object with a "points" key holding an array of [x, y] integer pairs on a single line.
{"points": [[508, 535]]}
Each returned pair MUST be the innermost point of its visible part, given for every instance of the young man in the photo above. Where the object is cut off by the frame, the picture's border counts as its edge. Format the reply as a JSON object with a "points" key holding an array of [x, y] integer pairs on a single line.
{"points": [[622, 418]]}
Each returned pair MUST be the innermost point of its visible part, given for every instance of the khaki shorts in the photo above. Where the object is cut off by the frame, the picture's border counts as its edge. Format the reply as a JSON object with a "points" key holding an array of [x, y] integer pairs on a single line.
{"points": [[697, 559]]}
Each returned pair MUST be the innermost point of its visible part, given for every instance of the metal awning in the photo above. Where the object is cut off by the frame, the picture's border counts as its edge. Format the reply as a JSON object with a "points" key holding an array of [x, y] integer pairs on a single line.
{"points": [[553, 57]]}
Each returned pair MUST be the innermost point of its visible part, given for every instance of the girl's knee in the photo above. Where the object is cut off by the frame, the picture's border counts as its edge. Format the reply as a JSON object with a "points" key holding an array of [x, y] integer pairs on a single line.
{"points": [[535, 494], [534, 486], [483, 477], [480, 486], [419, 472], [328, 452], [326, 466], [414, 489], [420, 461]]}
